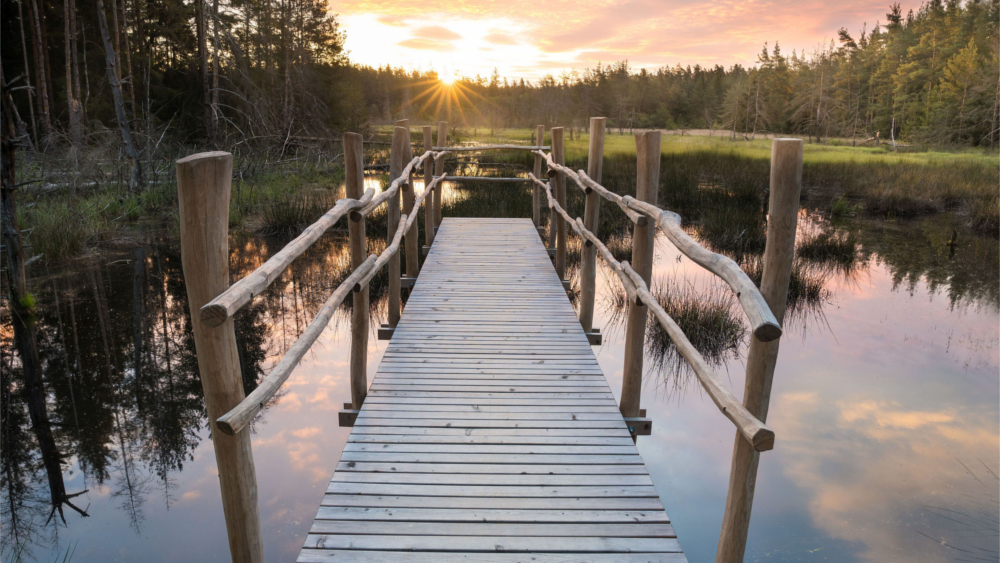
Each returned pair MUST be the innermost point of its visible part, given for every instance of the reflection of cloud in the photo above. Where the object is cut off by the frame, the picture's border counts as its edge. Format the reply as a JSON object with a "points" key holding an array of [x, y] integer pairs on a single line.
{"points": [[427, 44], [909, 460], [191, 495], [306, 432]]}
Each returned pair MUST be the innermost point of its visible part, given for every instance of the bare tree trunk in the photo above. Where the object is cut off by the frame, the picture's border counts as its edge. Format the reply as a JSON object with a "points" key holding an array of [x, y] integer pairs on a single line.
{"points": [[130, 79], [86, 72], [215, 68], [203, 59], [819, 104], [136, 180], [75, 126], [41, 90], [27, 71]]}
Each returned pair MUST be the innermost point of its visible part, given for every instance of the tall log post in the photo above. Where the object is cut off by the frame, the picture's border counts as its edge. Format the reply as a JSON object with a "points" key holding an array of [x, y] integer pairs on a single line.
{"points": [[400, 142], [428, 178], [354, 187], [559, 187], [536, 192], [203, 187], [591, 213], [647, 146], [442, 141], [411, 245], [783, 211]]}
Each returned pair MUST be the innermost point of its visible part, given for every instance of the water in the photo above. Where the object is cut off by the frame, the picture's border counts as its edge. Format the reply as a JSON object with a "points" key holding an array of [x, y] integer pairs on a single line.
{"points": [[885, 407]]}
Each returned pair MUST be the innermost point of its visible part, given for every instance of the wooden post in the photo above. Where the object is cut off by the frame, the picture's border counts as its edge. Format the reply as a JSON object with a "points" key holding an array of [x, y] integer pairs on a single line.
{"points": [[559, 187], [647, 147], [442, 141], [411, 245], [400, 141], [354, 187], [428, 178], [204, 182], [588, 266], [536, 193], [783, 211]]}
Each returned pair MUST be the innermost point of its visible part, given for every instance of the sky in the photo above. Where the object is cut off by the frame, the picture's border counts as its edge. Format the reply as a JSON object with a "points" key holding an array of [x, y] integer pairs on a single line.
{"points": [[529, 39]]}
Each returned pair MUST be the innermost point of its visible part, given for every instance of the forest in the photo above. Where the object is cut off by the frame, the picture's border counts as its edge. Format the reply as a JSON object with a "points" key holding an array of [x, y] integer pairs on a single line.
{"points": [[137, 74]]}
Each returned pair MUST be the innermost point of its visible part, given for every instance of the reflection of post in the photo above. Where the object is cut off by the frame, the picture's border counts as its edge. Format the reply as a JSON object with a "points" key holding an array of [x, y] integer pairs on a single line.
{"points": [[786, 183], [400, 141], [203, 188], [559, 187], [647, 146], [428, 178], [536, 192], [588, 266], [442, 141], [354, 168]]}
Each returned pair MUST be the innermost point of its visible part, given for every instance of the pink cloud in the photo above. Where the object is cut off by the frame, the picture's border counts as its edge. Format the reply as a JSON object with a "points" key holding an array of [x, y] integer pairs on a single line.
{"points": [[435, 32], [427, 44]]}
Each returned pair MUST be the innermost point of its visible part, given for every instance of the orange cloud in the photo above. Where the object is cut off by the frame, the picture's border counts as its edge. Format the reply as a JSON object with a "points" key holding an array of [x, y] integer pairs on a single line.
{"points": [[436, 32], [427, 44]]}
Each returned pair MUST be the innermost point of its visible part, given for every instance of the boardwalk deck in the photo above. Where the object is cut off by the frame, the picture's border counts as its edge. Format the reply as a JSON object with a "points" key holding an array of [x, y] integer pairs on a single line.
{"points": [[489, 432]]}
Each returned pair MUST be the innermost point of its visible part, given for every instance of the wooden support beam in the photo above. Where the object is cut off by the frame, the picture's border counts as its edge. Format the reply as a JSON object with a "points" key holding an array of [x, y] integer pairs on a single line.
{"points": [[428, 176], [783, 210], [647, 147], [204, 183], [385, 332], [591, 215], [347, 417], [536, 205], [559, 189], [442, 141], [400, 146], [353, 184], [411, 244], [594, 337]]}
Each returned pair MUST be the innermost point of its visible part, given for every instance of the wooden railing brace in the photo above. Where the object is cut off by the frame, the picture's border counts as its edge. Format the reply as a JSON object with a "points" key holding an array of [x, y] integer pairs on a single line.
{"points": [[442, 140], [536, 196], [591, 220], [558, 181], [428, 177], [354, 183]]}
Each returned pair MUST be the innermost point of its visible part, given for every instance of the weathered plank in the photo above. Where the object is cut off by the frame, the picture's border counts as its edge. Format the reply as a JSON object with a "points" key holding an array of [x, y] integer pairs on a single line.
{"points": [[489, 429]]}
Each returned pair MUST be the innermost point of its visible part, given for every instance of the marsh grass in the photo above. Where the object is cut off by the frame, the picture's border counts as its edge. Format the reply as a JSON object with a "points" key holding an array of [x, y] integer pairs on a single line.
{"points": [[840, 250]]}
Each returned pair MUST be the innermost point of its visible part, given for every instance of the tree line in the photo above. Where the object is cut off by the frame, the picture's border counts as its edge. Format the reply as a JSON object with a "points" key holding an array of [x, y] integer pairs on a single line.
{"points": [[220, 73]]}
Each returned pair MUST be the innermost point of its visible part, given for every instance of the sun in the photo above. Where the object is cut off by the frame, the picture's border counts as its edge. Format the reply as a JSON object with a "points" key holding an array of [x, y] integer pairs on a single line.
{"points": [[448, 79]]}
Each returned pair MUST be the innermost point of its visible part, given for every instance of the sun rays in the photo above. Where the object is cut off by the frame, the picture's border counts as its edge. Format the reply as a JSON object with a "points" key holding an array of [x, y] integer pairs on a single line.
{"points": [[448, 97]]}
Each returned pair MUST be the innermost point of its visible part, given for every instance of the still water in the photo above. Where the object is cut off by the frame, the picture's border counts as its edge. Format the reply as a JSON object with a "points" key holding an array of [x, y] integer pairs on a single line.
{"points": [[885, 407]]}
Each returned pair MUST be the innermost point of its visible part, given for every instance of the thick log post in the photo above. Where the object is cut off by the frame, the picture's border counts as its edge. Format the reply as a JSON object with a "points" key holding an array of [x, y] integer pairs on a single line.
{"points": [[428, 178], [442, 141], [647, 146], [536, 194], [354, 187], [204, 182], [400, 142], [559, 187], [783, 210], [410, 242], [588, 266]]}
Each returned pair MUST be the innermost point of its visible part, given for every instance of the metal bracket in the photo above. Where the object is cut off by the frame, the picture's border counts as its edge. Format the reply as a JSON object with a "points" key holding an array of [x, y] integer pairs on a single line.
{"points": [[594, 337], [385, 332], [640, 425]]}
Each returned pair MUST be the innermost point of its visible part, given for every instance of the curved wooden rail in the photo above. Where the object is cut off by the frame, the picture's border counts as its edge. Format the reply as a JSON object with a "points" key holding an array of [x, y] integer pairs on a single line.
{"points": [[240, 293], [755, 431], [490, 148], [239, 417], [393, 188], [765, 326]]}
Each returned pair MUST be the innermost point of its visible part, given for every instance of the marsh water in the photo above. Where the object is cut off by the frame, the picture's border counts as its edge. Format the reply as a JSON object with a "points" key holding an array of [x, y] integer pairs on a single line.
{"points": [[885, 405]]}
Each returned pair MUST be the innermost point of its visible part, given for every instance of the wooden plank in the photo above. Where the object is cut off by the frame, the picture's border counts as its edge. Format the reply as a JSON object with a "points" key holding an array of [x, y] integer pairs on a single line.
{"points": [[489, 429]]}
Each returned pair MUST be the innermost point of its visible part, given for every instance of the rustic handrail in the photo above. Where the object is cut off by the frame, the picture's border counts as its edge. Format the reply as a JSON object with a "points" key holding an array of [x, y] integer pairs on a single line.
{"points": [[388, 193], [227, 303], [240, 416], [491, 148], [765, 326], [756, 432]]}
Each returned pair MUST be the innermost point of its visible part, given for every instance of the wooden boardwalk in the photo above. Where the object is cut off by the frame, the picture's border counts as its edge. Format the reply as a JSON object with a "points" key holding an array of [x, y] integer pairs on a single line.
{"points": [[489, 432]]}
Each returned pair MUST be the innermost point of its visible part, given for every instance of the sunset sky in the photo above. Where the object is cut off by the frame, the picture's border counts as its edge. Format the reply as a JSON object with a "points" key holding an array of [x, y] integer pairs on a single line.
{"points": [[528, 39]]}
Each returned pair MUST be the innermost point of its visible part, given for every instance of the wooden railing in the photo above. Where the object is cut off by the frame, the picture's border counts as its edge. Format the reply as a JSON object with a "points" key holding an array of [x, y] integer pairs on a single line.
{"points": [[204, 182]]}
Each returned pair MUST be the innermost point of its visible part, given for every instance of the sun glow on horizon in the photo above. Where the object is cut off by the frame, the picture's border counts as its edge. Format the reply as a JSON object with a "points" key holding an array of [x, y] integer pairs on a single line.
{"points": [[448, 79]]}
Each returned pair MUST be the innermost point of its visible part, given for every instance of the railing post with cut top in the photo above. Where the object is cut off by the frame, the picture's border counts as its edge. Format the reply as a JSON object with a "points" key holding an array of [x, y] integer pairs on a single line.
{"points": [[591, 214], [428, 178], [400, 141], [442, 141], [410, 242], [354, 168], [647, 147], [536, 192], [779, 251], [559, 188], [204, 183]]}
